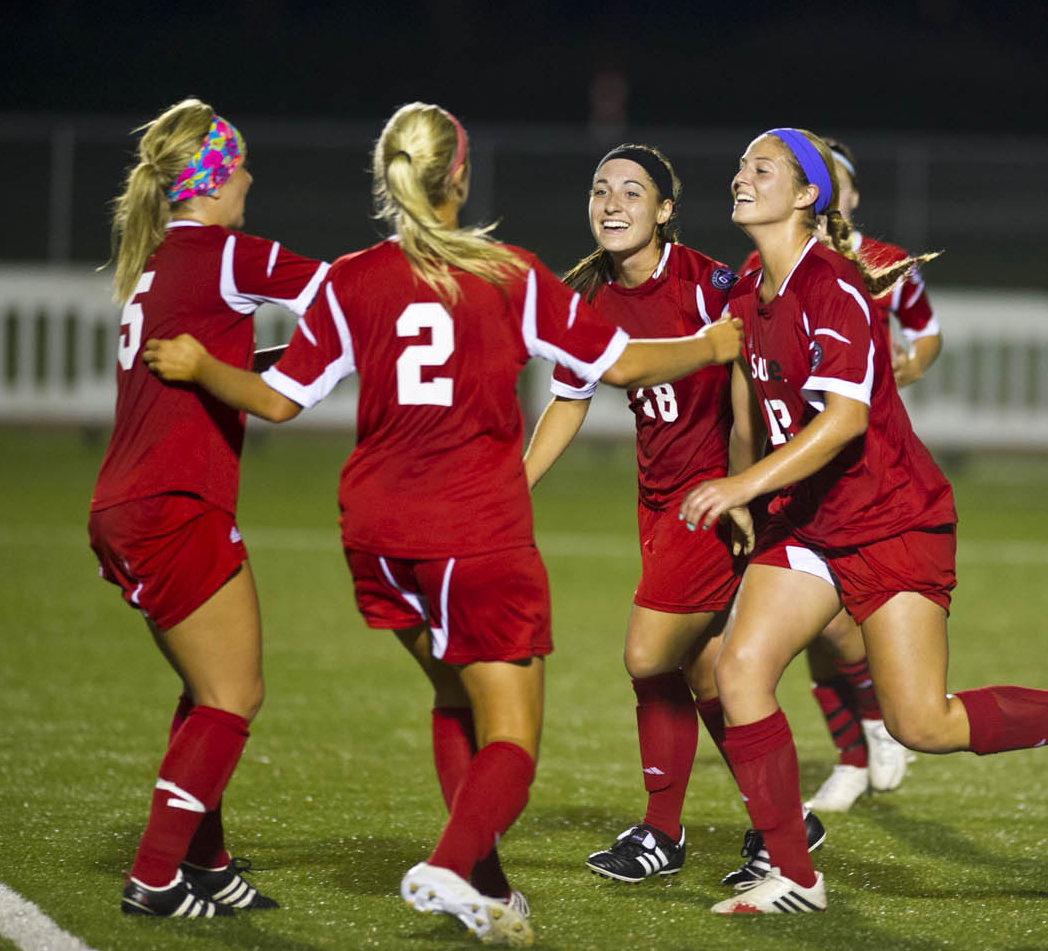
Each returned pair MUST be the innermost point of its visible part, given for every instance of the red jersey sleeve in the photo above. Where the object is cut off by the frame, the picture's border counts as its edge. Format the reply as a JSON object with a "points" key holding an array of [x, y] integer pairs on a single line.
{"points": [[559, 325], [841, 341], [257, 271], [319, 354]]}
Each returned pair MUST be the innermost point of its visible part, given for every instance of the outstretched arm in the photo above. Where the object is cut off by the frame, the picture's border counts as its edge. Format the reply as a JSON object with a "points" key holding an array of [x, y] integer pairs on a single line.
{"points": [[184, 359], [650, 362], [814, 446], [557, 426]]}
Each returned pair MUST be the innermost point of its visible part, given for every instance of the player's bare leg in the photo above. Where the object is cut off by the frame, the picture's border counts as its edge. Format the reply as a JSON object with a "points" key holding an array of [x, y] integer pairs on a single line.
{"points": [[217, 651]]}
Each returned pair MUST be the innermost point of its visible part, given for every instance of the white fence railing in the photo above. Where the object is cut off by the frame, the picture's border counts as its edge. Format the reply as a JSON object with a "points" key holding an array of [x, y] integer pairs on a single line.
{"points": [[989, 389]]}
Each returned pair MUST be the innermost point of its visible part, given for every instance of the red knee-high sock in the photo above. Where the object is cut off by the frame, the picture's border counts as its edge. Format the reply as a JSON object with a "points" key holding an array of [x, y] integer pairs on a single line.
{"points": [[864, 698], [833, 697], [208, 846], [1005, 718], [193, 774], [669, 732], [712, 714], [454, 743], [764, 761], [489, 798]]}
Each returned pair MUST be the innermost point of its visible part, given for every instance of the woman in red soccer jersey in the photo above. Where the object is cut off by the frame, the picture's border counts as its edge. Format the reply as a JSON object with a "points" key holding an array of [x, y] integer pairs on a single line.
{"points": [[868, 756], [643, 280], [436, 515], [163, 512], [863, 518]]}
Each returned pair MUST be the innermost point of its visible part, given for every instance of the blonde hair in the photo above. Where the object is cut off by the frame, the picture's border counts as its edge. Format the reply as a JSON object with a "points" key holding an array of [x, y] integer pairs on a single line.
{"points": [[598, 268], [839, 230], [411, 178], [142, 211]]}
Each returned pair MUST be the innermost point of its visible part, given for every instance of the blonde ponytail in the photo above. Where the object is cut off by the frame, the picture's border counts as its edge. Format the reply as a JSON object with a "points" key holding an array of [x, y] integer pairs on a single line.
{"points": [[839, 231], [412, 176], [142, 211]]}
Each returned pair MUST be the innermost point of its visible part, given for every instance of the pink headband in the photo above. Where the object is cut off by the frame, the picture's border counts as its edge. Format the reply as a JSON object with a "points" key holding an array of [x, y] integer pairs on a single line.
{"points": [[461, 146], [220, 153]]}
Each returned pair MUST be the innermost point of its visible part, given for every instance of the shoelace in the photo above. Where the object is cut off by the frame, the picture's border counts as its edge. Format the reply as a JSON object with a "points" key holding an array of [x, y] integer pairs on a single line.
{"points": [[751, 844]]}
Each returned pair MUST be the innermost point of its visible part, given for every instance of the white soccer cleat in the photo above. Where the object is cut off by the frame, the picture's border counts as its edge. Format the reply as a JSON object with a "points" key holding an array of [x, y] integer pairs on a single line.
{"points": [[841, 788], [887, 756], [775, 895], [517, 902], [435, 890]]}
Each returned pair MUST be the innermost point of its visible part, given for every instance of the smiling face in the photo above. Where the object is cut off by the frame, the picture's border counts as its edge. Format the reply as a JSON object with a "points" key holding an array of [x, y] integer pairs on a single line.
{"points": [[765, 190], [625, 210]]}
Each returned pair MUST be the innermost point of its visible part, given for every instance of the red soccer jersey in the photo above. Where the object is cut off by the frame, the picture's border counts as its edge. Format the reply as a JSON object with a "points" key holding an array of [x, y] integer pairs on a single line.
{"points": [[206, 281], [817, 336], [682, 427], [905, 300], [438, 468]]}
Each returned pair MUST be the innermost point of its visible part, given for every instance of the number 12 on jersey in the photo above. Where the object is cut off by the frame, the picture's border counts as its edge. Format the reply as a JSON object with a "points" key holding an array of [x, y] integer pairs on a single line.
{"points": [[412, 390]]}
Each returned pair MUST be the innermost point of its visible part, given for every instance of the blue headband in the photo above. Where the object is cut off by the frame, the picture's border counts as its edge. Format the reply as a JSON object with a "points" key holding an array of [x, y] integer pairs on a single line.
{"points": [[811, 163]]}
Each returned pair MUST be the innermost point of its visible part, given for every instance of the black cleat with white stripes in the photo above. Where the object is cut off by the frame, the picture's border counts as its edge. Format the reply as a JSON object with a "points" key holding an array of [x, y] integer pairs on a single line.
{"points": [[177, 900], [757, 863], [638, 853], [227, 886]]}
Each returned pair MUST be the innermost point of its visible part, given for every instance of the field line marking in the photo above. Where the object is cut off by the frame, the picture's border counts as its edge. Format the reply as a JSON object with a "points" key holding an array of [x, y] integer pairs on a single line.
{"points": [[30, 929]]}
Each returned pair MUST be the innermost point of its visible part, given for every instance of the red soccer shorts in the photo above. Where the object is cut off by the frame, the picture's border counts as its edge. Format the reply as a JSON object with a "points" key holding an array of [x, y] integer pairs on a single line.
{"points": [[479, 608], [868, 576], [168, 554], [683, 572]]}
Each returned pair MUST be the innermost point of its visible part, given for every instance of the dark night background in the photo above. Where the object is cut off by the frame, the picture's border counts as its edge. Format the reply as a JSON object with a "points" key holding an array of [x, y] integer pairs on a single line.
{"points": [[928, 64], [944, 101]]}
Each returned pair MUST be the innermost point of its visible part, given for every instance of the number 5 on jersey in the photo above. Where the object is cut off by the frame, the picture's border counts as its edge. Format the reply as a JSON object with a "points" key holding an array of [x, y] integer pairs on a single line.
{"points": [[132, 317], [412, 390]]}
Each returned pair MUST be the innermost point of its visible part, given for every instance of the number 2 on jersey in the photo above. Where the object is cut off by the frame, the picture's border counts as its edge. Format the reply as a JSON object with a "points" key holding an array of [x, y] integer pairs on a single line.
{"points": [[412, 390], [132, 317]]}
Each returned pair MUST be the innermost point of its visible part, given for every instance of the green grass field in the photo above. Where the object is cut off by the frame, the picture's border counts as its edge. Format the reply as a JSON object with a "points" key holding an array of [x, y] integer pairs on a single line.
{"points": [[336, 793]]}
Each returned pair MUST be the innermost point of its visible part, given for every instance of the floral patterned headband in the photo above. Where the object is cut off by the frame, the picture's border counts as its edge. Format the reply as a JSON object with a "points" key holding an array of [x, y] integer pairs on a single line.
{"points": [[220, 153]]}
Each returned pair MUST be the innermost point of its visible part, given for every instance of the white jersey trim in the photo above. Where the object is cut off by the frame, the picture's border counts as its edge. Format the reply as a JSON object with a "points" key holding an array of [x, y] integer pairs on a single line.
{"points": [[569, 392], [700, 302], [930, 329], [537, 347], [309, 394], [815, 386], [662, 261], [248, 303], [804, 254]]}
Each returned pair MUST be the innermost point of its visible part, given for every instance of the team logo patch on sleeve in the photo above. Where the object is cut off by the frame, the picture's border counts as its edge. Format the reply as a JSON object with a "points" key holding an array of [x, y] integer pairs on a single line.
{"points": [[816, 355], [723, 278]]}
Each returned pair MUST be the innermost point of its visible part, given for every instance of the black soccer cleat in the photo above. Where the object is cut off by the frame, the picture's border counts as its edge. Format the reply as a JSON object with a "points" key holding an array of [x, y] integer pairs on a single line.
{"points": [[757, 863], [638, 853], [177, 900], [227, 886]]}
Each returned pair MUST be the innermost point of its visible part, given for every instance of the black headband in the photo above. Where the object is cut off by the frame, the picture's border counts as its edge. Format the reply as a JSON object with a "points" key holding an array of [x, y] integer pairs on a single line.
{"points": [[657, 170]]}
